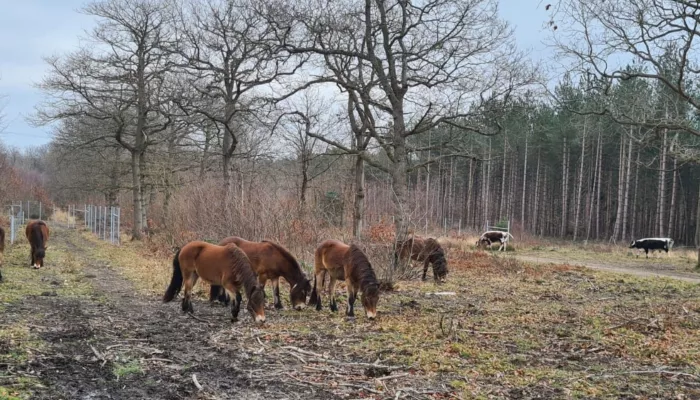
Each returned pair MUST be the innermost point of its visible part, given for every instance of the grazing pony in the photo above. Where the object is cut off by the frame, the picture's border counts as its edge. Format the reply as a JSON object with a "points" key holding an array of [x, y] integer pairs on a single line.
{"points": [[225, 266], [489, 237], [270, 261], [349, 264], [37, 234], [2, 250], [426, 250], [652, 244]]}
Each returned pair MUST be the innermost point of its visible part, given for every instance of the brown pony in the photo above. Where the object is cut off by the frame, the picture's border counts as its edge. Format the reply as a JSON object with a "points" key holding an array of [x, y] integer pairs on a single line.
{"points": [[350, 264], [37, 234], [225, 266], [426, 250], [2, 250], [271, 261]]}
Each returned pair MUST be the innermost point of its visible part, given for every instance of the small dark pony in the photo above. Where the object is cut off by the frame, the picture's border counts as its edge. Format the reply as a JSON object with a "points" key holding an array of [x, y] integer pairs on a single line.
{"points": [[37, 234], [226, 266], [2, 250], [271, 261], [426, 250], [350, 264]]}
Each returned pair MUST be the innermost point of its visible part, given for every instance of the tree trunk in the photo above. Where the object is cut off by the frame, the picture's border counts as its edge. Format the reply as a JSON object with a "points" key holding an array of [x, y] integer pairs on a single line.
{"points": [[503, 176], [697, 228], [599, 167], [564, 192], [522, 203], [359, 204], [662, 187], [114, 178], [399, 176], [205, 154], [535, 205], [634, 199], [627, 188], [577, 212], [620, 190], [137, 227], [672, 206], [488, 185]]}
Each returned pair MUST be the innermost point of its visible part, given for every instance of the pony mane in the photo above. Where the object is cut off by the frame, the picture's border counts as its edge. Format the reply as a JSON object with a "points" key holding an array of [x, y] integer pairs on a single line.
{"points": [[289, 257], [242, 268], [36, 233], [362, 268]]}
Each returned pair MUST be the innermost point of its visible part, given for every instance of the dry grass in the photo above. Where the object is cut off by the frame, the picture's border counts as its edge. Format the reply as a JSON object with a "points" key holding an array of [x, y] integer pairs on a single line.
{"points": [[511, 330]]}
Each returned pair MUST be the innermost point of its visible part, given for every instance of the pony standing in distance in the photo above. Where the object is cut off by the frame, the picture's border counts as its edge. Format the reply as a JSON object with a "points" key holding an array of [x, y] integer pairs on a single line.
{"points": [[37, 234], [225, 266], [2, 250], [270, 261], [426, 250], [348, 263]]}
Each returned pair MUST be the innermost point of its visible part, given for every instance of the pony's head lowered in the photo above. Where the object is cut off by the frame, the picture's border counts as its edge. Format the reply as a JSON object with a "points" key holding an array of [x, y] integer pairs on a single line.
{"points": [[367, 280], [300, 291]]}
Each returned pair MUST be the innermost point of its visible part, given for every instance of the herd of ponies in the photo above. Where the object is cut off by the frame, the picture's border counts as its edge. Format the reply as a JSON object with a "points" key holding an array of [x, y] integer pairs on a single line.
{"points": [[236, 265]]}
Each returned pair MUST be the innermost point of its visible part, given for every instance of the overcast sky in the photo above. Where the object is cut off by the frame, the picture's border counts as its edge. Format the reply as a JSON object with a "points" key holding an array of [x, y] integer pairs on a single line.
{"points": [[33, 29]]}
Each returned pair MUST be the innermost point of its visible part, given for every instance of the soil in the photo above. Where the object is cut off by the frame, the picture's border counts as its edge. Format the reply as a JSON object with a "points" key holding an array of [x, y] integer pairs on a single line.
{"points": [[644, 270], [89, 344]]}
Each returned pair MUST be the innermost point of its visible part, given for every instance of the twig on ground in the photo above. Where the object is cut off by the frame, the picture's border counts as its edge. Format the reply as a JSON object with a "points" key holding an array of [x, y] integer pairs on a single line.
{"points": [[360, 387], [198, 318], [388, 377], [196, 383], [97, 353], [625, 323], [297, 356]]}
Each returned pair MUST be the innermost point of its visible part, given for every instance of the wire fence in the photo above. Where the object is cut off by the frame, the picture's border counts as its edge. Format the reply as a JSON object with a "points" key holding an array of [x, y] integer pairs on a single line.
{"points": [[103, 221]]}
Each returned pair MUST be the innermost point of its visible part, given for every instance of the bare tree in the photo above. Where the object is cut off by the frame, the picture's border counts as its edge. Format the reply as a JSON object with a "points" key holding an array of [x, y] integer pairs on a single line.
{"points": [[433, 62], [120, 79], [597, 31], [229, 52]]}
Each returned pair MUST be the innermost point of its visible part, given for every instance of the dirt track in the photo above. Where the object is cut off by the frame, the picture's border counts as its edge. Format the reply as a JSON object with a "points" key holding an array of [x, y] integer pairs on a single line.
{"points": [[623, 269], [119, 345]]}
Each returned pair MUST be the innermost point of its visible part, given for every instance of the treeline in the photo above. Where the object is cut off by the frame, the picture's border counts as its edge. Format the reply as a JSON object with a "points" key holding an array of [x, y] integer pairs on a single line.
{"points": [[278, 119]]}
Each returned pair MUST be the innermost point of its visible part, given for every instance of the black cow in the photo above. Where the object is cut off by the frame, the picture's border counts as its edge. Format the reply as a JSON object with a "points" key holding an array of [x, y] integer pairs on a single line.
{"points": [[652, 244]]}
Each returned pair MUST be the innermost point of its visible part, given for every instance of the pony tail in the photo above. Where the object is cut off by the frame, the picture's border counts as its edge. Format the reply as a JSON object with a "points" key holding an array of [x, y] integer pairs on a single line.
{"points": [[313, 299], [176, 281]]}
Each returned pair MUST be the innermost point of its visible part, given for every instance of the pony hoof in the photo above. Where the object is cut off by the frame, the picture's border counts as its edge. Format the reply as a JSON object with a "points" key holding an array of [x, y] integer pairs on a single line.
{"points": [[234, 320], [278, 306]]}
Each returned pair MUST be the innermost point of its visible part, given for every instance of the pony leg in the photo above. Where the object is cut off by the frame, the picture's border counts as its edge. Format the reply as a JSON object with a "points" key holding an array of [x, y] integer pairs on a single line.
{"points": [[331, 289], [425, 268], [236, 300], [276, 293], [352, 296], [316, 292], [190, 279]]}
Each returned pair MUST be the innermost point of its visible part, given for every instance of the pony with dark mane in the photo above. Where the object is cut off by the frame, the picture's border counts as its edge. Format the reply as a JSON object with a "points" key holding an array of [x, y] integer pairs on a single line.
{"points": [[2, 250], [37, 234], [270, 261], [226, 266], [427, 251], [349, 264]]}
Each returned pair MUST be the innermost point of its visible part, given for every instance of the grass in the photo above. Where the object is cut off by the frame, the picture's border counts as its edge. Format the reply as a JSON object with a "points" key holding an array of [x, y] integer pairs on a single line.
{"points": [[556, 330], [123, 370], [678, 259], [60, 276]]}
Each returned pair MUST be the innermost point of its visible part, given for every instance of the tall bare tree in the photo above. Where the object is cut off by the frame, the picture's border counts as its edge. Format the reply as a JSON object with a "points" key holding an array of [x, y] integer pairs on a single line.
{"points": [[435, 62]]}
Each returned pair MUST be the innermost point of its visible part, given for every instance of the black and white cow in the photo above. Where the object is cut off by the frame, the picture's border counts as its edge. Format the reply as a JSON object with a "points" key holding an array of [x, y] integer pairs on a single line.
{"points": [[652, 244], [489, 237]]}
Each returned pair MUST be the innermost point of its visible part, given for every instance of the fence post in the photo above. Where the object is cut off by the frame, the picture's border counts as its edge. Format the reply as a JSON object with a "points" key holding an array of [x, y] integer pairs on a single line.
{"points": [[12, 228], [40, 210], [104, 225]]}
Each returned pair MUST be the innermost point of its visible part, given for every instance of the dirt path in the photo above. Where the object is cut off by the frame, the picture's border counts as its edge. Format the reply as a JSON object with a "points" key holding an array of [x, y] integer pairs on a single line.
{"points": [[117, 344], [687, 277]]}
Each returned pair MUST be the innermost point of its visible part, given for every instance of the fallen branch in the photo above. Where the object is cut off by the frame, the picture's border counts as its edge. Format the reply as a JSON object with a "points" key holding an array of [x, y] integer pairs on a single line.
{"points": [[198, 318], [388, 377], [360, 387], [625, 323], [97, 353], [196, 383]]}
